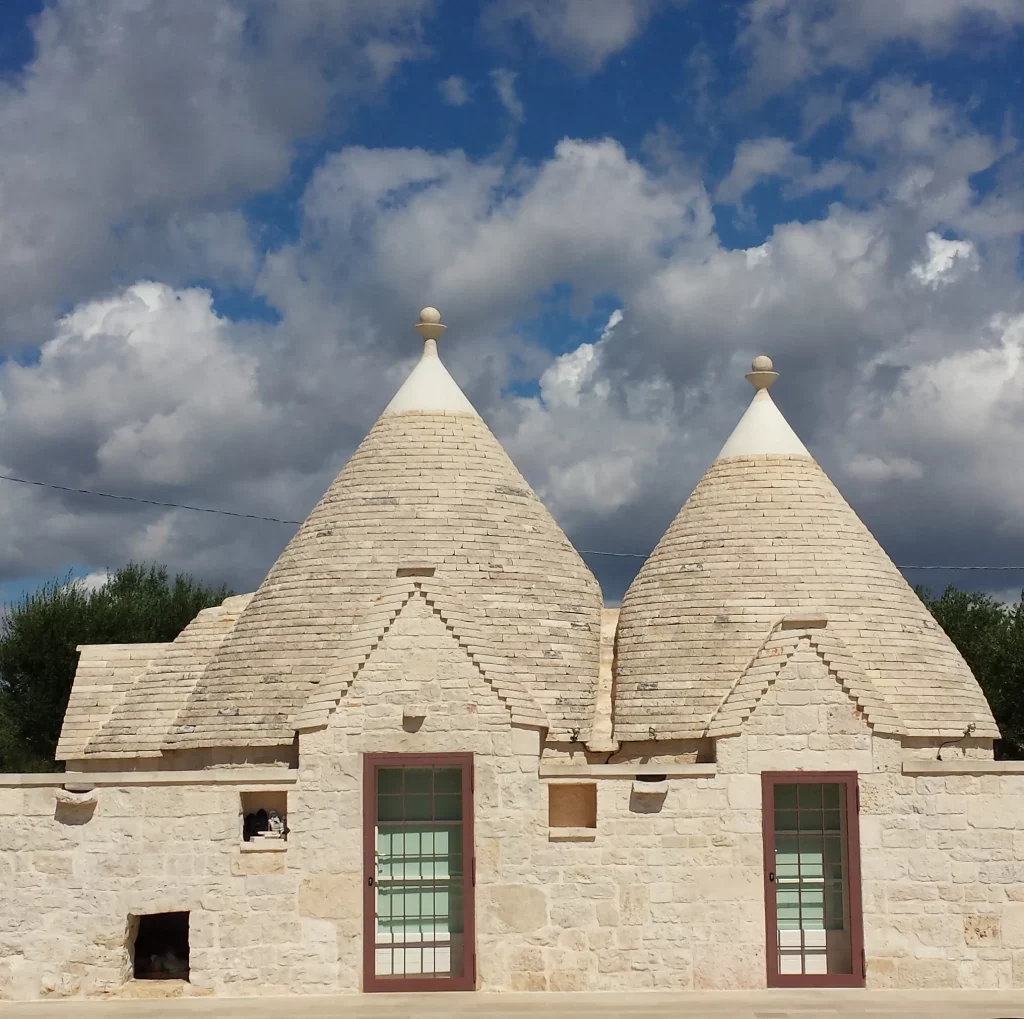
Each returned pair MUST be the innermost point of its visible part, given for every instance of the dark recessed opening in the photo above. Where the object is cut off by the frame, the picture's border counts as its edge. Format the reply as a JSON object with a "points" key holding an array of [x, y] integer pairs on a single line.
{"points": [[652, 778], [160, 951]]}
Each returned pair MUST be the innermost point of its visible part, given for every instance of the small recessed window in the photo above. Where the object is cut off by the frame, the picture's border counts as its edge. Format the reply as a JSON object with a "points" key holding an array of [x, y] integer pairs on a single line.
{"points": [[572, 806], [265, 817], [159, 948]]}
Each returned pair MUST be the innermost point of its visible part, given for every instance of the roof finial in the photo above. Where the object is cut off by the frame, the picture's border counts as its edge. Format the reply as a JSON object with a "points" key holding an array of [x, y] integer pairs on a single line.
{"points": [[761, 375], [430, 328]]}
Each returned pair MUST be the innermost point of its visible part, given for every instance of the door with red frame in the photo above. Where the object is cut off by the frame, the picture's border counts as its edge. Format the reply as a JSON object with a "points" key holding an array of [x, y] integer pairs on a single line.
{"points": [[813, 918], [418, 873]]}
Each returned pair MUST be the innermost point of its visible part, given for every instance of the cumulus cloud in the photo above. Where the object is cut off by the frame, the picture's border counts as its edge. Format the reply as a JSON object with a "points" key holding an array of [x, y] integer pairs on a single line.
{"points": [[140, 126], [759, 159], [895, 317], [504, 82], [789, 40], [454, 90], [945, 261], [584, 32]]}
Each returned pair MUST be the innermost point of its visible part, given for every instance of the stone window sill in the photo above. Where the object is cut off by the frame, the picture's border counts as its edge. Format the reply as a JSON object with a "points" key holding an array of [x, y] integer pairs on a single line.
{"points": [[650, 788], [572, 834], [271, 846]]}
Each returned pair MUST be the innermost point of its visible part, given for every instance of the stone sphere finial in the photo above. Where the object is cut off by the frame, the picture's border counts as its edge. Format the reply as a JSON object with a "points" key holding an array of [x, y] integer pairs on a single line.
{"points": [[762, 373], [430, 327]]}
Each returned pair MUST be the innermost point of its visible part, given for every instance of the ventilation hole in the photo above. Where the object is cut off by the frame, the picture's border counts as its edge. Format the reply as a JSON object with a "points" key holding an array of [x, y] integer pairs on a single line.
{"points": [[414, 571], [159, 949]]}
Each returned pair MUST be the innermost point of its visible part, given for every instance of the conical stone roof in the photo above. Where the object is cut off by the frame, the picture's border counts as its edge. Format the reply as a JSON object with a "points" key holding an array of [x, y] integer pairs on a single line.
{"points": [[766, 534], [430, 491]]}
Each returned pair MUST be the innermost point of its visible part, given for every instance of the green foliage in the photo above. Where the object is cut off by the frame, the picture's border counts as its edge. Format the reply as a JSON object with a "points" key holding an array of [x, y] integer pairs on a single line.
{"points": [[39, 637], [990, 636]]}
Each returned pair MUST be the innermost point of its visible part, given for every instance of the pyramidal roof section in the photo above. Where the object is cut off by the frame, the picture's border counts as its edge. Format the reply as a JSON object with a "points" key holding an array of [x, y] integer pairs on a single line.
{"points": [[762, 430], [430, 387]]}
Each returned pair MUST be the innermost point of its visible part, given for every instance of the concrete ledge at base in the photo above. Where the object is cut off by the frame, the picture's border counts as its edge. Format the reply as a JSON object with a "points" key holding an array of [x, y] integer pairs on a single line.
{"points": [[273, 846], [962, 767], [83, 781], [556, 770]]}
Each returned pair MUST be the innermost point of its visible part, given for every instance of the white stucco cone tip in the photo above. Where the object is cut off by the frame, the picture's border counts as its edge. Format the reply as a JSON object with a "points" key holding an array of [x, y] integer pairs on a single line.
{"points": [[762, 430], [429, 385]]}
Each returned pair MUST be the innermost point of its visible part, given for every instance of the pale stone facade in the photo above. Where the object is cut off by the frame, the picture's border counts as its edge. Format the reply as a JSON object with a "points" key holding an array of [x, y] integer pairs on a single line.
{"points": [[664, 887]]}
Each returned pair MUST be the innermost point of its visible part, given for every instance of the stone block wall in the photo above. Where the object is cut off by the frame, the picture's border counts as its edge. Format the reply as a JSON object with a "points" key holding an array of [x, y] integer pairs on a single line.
{"points": [[666, 893], [71, 880]]}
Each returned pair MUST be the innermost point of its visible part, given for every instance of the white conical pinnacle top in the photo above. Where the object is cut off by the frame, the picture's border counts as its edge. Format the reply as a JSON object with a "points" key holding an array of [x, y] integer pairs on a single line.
{"points": [[429, 386], [762, 429]]}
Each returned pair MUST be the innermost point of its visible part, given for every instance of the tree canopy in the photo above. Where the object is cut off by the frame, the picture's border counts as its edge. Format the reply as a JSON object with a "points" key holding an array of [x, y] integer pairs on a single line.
{"points": [[990, 636], [39, 636]]}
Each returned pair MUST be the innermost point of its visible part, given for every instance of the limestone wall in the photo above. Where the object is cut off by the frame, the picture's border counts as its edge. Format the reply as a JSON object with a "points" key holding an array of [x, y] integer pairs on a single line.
{"points": [[665, 893], [71, 879]]}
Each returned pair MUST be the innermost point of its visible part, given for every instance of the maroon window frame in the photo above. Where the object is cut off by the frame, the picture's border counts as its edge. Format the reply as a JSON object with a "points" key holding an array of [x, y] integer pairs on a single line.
{"points": [[466, 981], [769, 779]]}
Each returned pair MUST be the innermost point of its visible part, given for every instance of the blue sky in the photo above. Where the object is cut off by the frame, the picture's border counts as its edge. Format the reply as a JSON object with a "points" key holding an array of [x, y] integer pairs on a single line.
{"points": [[219, 218]]}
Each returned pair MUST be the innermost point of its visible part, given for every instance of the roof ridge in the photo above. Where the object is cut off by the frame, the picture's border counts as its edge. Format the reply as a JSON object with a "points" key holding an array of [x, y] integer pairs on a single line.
{"points": [[322, 703], [759, 675]]}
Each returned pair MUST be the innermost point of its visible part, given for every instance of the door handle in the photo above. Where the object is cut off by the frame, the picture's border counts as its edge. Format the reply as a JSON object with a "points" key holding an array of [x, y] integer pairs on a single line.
{"points": [[771, 875], [369, 881]]}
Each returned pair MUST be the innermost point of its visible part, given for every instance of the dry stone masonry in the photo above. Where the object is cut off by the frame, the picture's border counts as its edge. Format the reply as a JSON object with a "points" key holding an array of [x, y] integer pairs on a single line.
{"points": [[634, 776]]}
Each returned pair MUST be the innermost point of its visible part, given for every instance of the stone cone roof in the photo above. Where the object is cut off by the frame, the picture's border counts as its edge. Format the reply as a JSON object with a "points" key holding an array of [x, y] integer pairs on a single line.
{"points": [[429, 492], [766, 535]]}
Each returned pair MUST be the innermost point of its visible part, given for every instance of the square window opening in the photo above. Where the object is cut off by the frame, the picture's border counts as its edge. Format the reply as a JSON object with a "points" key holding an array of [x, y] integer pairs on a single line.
{"points": [[264, 816], [159, 947], [572, 806]]}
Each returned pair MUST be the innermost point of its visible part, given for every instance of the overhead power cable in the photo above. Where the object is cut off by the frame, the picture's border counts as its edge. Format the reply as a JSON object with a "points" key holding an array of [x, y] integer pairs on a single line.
{"points": [[279, 520], [148, 502]]}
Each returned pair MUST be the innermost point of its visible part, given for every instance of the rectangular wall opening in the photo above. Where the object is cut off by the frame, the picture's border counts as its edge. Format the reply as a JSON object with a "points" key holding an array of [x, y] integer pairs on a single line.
{"points": [[159, 949], [812, 880], [265, 816], [572, 806], [418, 910]]}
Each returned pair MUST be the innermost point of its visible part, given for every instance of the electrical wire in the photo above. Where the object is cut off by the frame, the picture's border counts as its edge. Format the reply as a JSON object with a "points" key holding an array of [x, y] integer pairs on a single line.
{"points": [[279, 520]]}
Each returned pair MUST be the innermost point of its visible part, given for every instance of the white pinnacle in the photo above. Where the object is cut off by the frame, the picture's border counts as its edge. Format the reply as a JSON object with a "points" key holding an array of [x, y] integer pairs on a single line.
{"points": [[762, 430], [429, 386]]}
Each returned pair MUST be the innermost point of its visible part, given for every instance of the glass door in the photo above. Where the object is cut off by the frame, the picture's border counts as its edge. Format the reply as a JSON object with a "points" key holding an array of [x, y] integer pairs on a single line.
{"points": [[418, 871], [812, 879]]}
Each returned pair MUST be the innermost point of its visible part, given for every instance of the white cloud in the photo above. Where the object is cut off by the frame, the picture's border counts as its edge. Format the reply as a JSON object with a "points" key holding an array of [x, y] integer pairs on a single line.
{"points": [[585, 32], [140, 126], [878, 469], [895, 385], [758, 159], [790, 40], [454, 90], [504, 82], [945, 259], [93, 581]]}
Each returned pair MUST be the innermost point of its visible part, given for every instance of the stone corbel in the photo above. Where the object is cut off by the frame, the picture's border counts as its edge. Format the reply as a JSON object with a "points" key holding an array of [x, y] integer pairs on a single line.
{"points": [[69, 798], [413, 716], [641, 788]]}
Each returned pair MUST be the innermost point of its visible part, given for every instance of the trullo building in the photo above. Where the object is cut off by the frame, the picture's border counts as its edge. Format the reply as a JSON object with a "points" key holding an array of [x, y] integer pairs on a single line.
{"points": [[422, 755]]}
